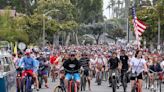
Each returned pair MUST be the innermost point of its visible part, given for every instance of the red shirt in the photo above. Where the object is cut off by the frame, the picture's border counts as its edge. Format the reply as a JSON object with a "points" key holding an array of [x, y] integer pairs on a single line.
{"points": [[52, 59]]}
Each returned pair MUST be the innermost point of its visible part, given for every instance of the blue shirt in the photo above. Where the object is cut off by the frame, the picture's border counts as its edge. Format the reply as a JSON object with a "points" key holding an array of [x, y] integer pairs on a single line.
{"points": [[28, 63]]}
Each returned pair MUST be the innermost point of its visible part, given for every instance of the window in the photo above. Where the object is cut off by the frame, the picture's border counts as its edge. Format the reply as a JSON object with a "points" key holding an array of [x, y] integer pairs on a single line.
{"points": [[6, 65], [1, 66]]}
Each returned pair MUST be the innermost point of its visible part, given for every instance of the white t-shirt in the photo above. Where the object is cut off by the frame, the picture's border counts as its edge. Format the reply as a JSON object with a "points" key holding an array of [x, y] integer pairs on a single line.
{"points": [[162, 65], [137, 65]]}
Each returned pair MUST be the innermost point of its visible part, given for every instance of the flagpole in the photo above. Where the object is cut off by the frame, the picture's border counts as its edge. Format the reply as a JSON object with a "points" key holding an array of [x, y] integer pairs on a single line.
{"points": [[137, 36]]}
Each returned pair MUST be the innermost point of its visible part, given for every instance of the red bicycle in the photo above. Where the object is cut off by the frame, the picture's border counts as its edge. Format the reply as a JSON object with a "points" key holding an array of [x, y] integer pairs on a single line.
{"points": [[72, 84]]}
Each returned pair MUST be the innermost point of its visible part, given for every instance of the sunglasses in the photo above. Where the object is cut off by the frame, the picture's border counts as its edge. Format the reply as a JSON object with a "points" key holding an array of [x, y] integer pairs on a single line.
{"points": [[84, 55], [72, 55]]}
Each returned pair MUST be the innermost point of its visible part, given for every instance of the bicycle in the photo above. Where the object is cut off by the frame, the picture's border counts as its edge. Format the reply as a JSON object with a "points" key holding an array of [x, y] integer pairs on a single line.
{"points": [[114, 80], [83, 81], [40, 76], [147, 82], [158, 76], [99, 77], [27, 81], [124, 80], [19, 80], [104, 75], [61, 87], [72, 85]]}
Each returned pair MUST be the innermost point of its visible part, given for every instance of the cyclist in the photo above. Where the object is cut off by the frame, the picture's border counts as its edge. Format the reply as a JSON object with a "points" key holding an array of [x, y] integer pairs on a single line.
{"points": [[125, 64], [43, 65], [114, 63], [85, 63], [30, 66], [99, 66], [154, 68], [18, 60], [71, 67], [138, 66]]}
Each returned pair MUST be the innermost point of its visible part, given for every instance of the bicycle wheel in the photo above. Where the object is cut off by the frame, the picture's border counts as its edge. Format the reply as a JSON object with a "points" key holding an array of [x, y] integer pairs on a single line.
{"points": [[40, 81], [73, 87], [18, 81], [114, 85], [98, 79], [124, 83], [59, 89], [83, 83], [160, 88], [28, 84], [134, 89], [23, 85]]}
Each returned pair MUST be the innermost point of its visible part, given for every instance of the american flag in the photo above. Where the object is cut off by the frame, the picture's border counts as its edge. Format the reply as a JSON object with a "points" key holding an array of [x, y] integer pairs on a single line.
{"points": [[139, 26]]}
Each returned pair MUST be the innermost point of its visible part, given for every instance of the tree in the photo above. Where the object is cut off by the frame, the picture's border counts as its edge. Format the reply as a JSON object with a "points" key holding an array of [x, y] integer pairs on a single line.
{"points": [[117, 33], [150, 16], [88, 11], [11, 29]]}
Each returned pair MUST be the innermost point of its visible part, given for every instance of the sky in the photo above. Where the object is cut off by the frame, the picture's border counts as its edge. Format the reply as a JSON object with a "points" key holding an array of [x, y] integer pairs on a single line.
{"points": [[105, 9]]}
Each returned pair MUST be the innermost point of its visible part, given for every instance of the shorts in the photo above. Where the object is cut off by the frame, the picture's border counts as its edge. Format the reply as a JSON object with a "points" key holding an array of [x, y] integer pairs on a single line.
{"points": [[86, 73], [138, 77], [76, 76], [44, 72]]}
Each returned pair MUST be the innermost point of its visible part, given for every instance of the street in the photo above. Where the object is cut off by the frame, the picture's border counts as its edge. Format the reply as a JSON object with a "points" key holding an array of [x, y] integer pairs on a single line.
{"points": [[95, 88]]}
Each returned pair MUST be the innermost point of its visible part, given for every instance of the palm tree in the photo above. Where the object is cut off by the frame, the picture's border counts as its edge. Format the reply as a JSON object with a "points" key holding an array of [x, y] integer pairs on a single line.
{"points": [[111, 6]]}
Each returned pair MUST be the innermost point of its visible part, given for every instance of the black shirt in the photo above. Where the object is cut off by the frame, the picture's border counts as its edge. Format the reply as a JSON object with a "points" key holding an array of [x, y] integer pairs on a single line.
{"points": [[85, 63], [124, 60], [71, 66], [113, 62], [155, 68], [42, 62]]}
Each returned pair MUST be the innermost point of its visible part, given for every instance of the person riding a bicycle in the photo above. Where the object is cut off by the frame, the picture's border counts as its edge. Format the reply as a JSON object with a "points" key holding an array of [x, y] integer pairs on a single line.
{"points": [[30, 67], [137, 65], [43, 68], [85, 63], [72, 67], [155, 68], [114, 63], [125, 64]]}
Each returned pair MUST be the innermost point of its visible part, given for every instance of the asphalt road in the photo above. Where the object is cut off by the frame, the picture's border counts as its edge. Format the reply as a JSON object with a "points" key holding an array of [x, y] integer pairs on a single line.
{"points": [[95, 88]]}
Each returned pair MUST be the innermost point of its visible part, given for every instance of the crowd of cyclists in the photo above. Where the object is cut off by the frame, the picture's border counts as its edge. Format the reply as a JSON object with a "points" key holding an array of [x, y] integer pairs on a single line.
{"points": [[94, 61]]}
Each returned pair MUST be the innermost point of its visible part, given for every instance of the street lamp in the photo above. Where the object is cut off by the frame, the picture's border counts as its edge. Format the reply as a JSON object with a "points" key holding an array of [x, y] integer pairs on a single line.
{"points": [[45, 14], [159, 25]]}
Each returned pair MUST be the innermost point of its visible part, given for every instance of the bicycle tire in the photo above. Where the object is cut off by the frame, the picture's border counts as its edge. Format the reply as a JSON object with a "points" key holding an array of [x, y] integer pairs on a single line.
{"points": [[18, 80], [28, 84], [83, 83], [98, 78], [40, 82], [133, 89], [124, 83], [160, 86], [23, 87], [58, 89], [73, 87], [114, 85]]}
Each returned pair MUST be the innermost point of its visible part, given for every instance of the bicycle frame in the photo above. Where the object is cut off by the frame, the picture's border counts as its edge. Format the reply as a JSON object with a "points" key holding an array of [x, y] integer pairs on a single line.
{"points": [[158, 77], [72, 87]]}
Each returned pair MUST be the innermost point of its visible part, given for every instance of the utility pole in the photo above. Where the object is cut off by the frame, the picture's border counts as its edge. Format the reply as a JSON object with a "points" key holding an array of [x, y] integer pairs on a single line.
{"points": [[127, 4]]}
